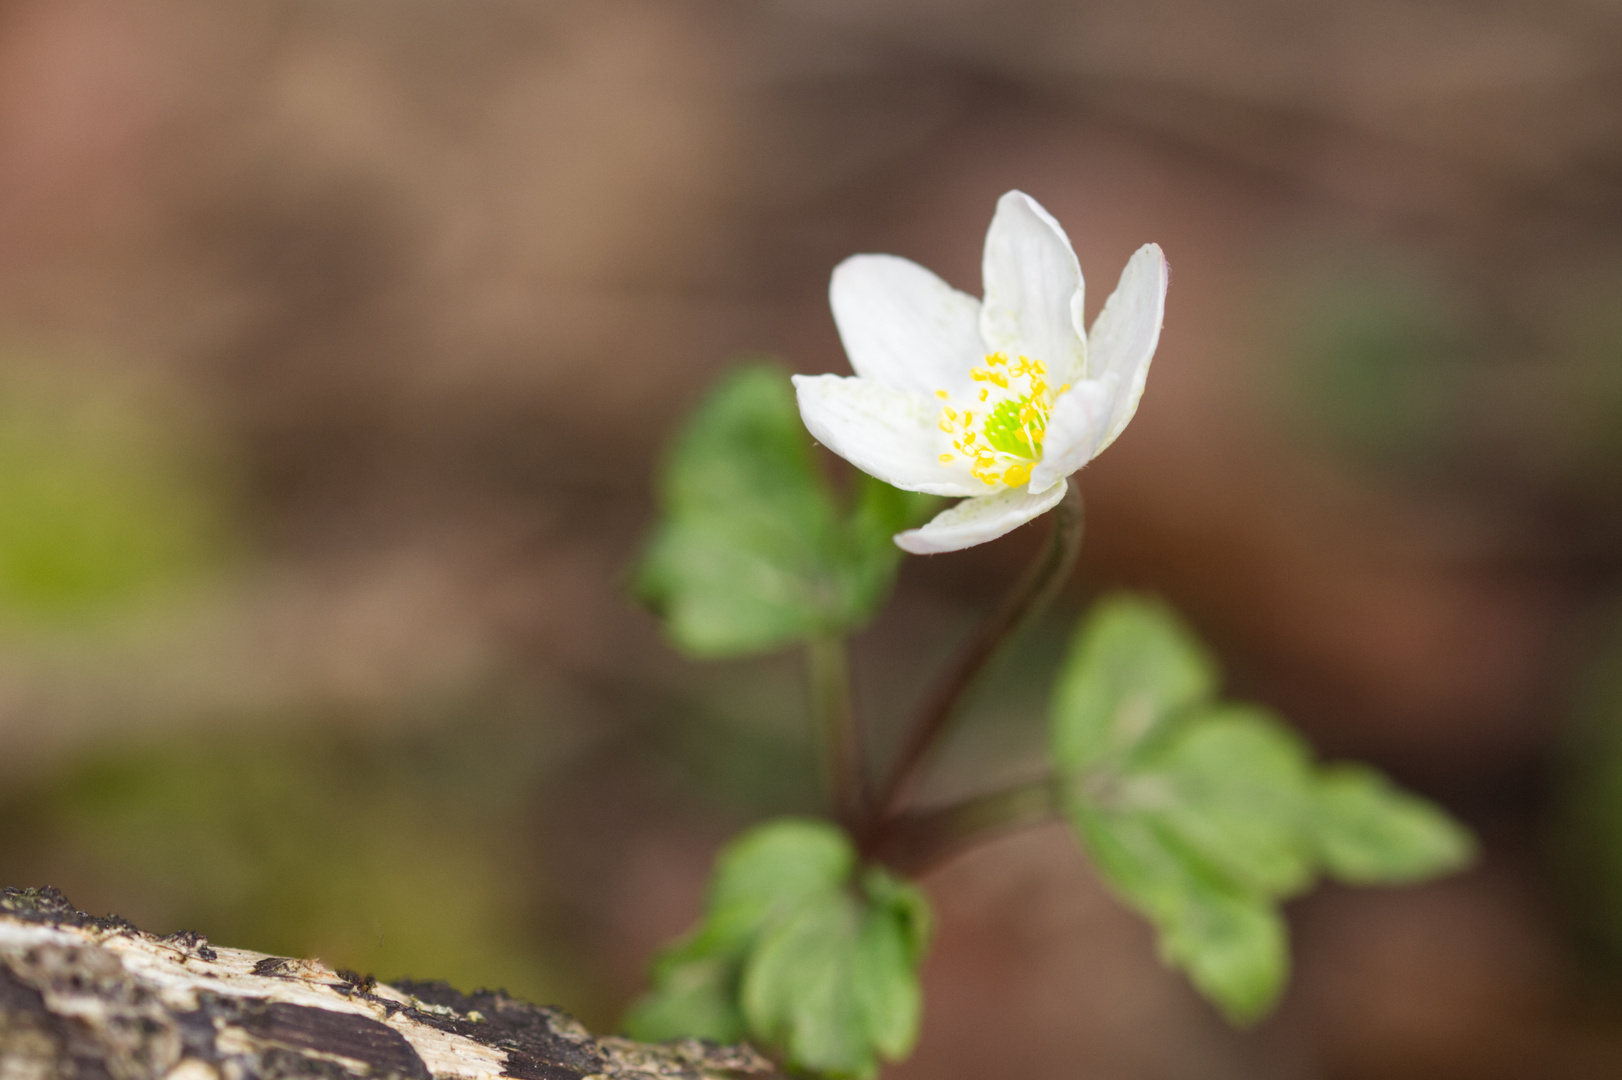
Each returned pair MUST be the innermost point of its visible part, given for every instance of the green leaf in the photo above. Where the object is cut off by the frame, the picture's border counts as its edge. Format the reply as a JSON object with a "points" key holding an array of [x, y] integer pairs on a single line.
{"points": [[776, 867], [1234, 947], [906, 904], [1370, 832], [773, 869], [798, 954], [889, 947], [696, 997], [753, 553], [1228, 939], [1132, 667], [835, 982], [1237, 787], [798, 992], [1203, 816]]}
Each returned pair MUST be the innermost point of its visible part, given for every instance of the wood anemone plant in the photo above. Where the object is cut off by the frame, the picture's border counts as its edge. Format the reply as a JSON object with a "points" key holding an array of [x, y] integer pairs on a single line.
{"points": [[1201, 814]]}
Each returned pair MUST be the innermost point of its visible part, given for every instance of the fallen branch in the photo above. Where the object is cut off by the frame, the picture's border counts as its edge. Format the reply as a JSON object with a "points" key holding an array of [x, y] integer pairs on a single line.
{"points": [[97, 999]]}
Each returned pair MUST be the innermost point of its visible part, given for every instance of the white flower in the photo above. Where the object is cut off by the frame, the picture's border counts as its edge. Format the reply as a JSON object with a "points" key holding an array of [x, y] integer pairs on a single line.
{"points": [[998, 400]]}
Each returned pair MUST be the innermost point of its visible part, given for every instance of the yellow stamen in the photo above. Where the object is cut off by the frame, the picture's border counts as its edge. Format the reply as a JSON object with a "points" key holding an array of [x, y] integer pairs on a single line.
{"points": [[1006, 442]]}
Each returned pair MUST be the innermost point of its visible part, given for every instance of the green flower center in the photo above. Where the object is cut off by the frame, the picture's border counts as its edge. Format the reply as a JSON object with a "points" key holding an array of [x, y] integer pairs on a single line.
{"points": [[1000, 440], [1016, 426]]}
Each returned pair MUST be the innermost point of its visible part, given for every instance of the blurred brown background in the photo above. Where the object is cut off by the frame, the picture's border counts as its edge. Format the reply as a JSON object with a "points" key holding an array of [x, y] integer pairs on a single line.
{"points": [[338, 341]]}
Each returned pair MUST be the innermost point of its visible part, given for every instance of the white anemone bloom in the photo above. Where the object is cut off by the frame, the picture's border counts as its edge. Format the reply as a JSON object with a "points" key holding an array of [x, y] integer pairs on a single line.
{"points": [[997, 400]]}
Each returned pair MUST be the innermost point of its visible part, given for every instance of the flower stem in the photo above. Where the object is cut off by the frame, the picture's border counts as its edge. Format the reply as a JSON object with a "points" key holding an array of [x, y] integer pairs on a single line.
{"points": [[916, 842], [838, 732], [1027, 599]]}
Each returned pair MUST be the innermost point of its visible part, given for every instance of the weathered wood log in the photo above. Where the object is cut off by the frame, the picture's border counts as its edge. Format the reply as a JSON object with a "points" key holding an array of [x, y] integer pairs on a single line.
{"points": [[89, 998]]}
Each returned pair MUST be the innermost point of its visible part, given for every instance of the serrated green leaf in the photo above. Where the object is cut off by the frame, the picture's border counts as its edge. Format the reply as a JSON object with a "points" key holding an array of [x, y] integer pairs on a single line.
{"points": [[1370, 832], [697, 997], [770, 870], [1132, 667], [797, 988], [890, 943], [796, 953], [907, 904], [1236, 786], [1234, 948], [753, 553], [1201, 817], [1229, 941], [777, 866]]}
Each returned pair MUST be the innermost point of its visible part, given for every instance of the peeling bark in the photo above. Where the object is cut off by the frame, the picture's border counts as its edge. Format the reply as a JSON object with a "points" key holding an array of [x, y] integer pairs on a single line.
{"points": [[89, 998]]}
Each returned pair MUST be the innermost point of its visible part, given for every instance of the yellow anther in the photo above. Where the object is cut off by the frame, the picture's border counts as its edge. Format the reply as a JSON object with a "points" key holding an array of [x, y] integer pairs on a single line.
{"points": [[1008, 442]]}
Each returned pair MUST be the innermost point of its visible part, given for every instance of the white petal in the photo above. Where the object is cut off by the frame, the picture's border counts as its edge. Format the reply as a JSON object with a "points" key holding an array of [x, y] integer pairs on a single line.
{"points": [[902, 325], [1075, 428], [1126, 332], [975, 521], [1033, 285], [890, 434]]}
